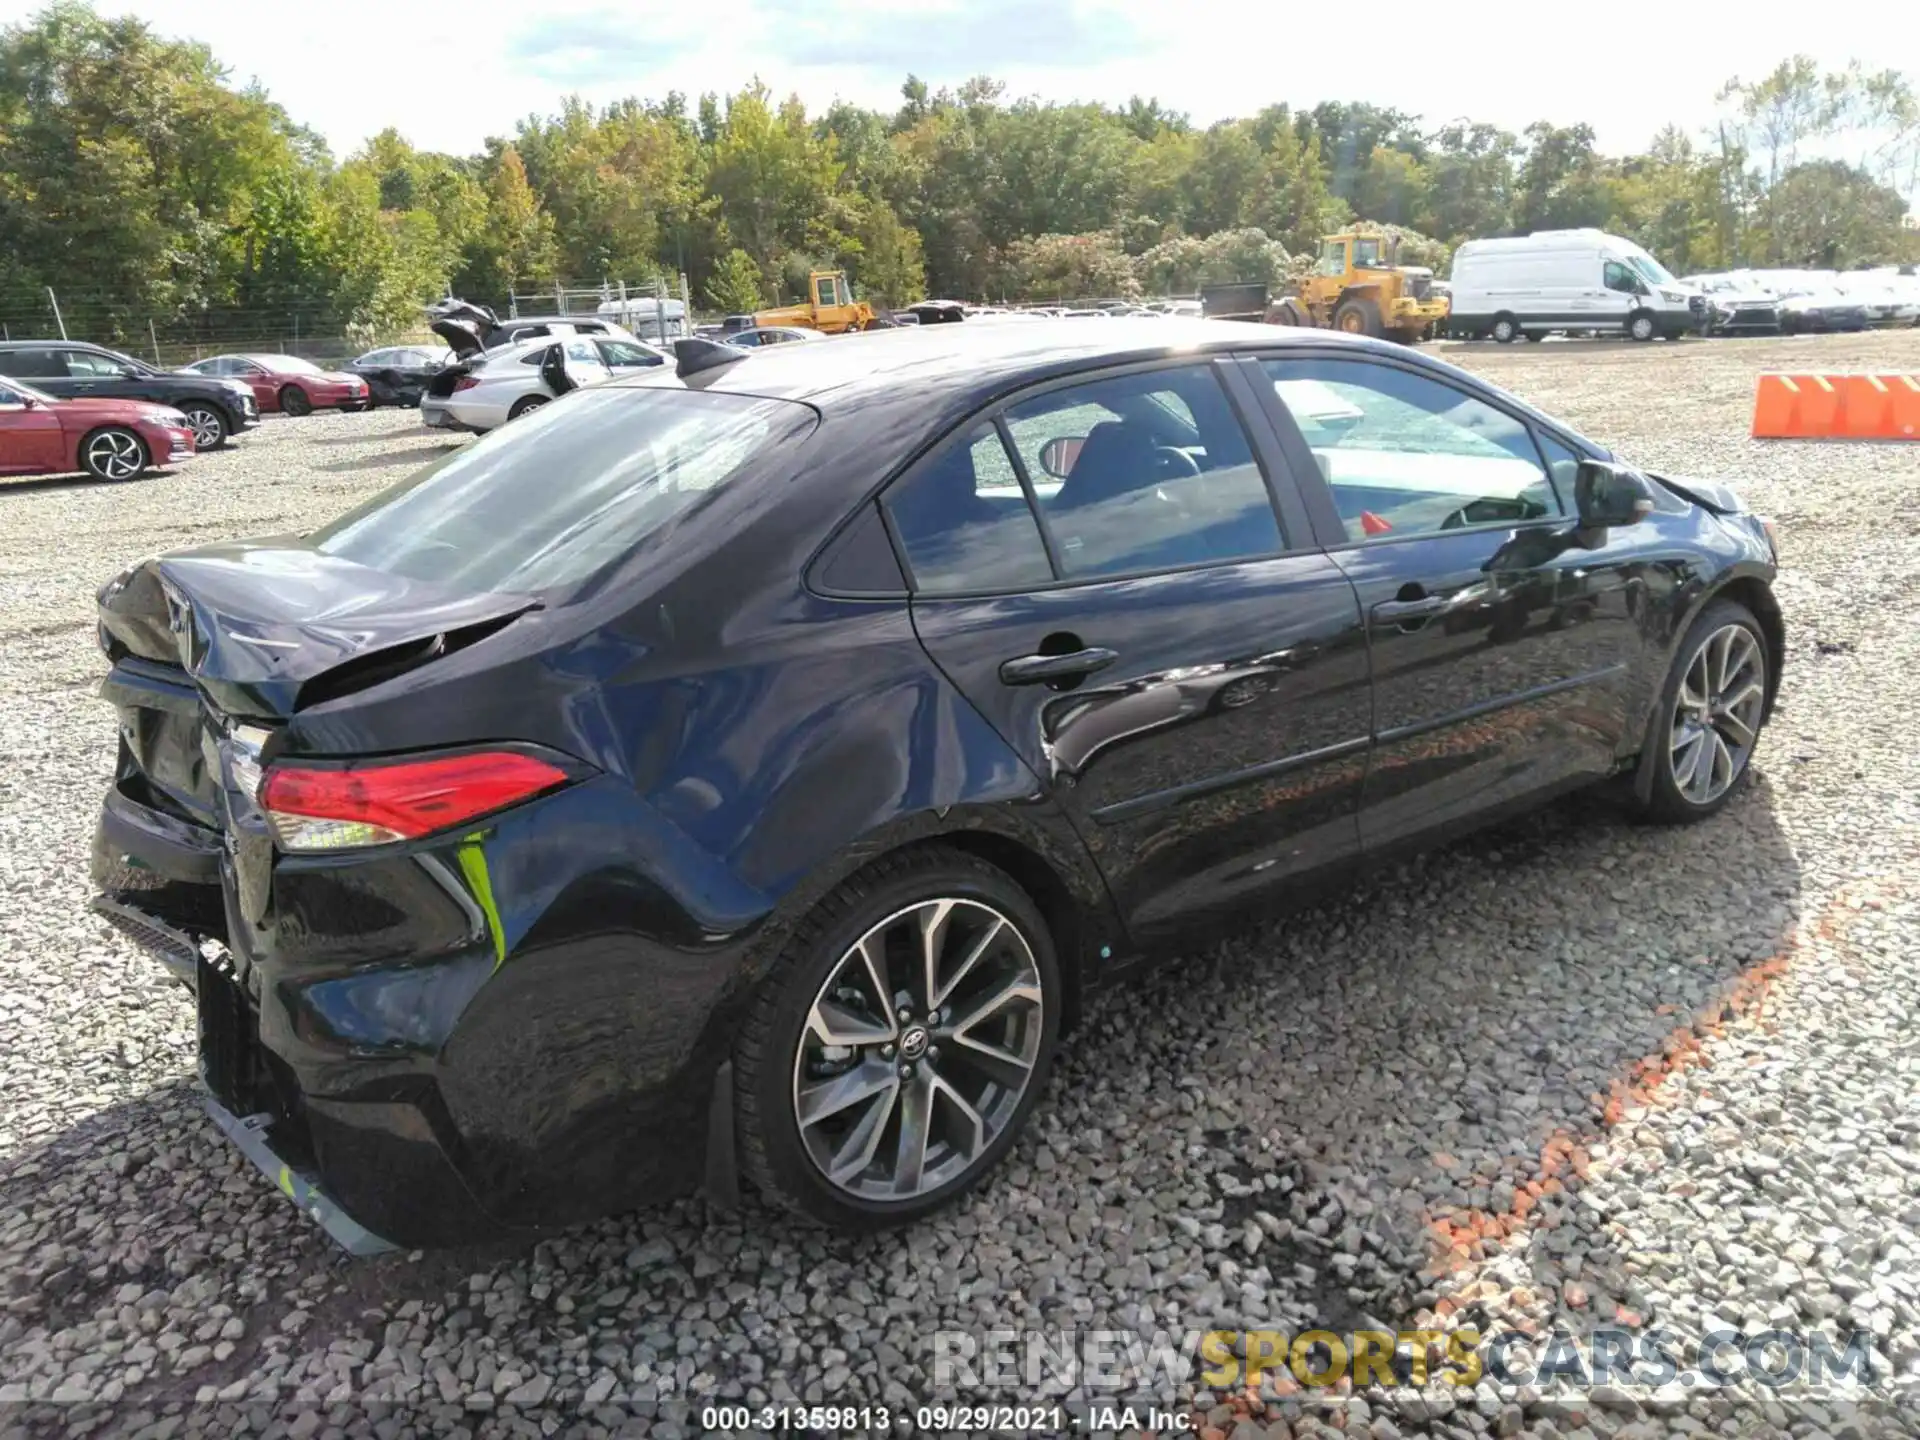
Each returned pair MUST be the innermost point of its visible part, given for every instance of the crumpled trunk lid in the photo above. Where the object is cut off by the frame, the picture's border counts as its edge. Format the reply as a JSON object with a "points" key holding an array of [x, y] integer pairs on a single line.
{"points": [[263, 628]]}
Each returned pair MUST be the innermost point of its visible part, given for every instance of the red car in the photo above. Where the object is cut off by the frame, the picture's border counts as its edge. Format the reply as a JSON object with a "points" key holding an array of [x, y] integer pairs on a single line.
{"points": [[287, 383], [108, 439]]}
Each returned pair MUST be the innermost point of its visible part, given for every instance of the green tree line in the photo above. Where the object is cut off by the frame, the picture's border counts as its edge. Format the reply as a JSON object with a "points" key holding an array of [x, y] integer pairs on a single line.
{"points": [[137, 179]]}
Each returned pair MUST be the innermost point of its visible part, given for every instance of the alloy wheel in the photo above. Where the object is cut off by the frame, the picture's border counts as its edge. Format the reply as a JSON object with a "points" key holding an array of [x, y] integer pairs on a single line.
{"points": [[208, 431], [918, 1049], [114, 455], [1716, 714]]}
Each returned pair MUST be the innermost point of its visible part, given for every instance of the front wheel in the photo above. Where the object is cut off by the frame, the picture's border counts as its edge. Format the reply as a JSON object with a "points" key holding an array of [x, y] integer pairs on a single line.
{"points": [[899, 1042], [113, 453], [294, 401], [1642, 328], [1708, 717], [209, 426], [1358, 317]]}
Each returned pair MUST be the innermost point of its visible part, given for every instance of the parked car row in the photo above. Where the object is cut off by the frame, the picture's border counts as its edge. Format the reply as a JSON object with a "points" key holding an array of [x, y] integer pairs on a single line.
{"points": [[1587, 282], [1795, 302], [68, 406]]}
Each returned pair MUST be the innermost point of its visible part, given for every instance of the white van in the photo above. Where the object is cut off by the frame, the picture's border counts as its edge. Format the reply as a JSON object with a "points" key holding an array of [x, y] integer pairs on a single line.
{"points": [[1567, 280]]}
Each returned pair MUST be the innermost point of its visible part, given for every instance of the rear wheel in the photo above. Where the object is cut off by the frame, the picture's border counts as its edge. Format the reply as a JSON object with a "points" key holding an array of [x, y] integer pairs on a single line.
{"points": [[1708, 718], [294, 401], [113, 453], [1506, 329], [1358, 317], [209, 426], [899, 1042], [524, 404]]}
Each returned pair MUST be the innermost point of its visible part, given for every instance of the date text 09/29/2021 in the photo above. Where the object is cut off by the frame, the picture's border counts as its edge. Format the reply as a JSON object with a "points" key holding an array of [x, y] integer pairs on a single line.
{"points": [[956, 1419]]}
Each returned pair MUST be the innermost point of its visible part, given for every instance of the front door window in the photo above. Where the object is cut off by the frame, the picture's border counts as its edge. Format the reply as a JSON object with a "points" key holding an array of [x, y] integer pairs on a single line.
{"points": [[1406, 455]]}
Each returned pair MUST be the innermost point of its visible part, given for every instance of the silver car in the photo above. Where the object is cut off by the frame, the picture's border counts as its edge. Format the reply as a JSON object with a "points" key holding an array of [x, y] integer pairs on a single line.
{"points": [[487, 391]]}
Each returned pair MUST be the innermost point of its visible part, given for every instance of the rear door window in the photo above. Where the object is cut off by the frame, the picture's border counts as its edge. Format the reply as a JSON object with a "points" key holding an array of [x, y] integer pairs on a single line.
{"points": [[1145, 472], [563, 491], [33, 364], [965, 524]]}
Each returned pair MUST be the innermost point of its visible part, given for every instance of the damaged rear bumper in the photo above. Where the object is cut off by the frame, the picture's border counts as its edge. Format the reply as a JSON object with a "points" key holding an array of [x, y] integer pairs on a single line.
{"points": [[253, 1136]]}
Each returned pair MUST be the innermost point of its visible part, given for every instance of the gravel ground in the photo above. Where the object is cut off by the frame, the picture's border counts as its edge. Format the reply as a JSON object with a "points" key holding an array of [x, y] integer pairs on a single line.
{"points": [[1568, 1072]]}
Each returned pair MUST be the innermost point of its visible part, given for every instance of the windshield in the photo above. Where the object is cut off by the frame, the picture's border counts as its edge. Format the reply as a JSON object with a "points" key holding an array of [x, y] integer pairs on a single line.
{"points": [[1651, 270], [560, 493], [1366, 253]]}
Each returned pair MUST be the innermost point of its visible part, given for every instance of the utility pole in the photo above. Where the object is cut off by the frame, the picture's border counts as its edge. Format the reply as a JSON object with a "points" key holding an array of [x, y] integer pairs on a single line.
{"points": [[155, 339], [55, 299]]}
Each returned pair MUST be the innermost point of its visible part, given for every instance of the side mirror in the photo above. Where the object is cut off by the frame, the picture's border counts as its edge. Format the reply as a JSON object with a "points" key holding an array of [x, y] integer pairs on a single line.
{"points": [[1057, 456], [1606, 495]]}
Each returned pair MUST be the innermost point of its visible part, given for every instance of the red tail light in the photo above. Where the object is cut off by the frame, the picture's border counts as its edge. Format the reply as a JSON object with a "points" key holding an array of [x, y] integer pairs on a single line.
{"points": [[466, 382], [377, 802]]}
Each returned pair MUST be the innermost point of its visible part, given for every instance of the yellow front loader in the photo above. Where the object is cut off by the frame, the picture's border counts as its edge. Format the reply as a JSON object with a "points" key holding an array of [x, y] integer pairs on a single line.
{"points": [[829, 307], [1356, 287]]}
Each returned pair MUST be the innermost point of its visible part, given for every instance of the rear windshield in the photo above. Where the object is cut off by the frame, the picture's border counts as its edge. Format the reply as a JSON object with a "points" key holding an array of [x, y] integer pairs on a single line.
{"points": [[554, 496]]}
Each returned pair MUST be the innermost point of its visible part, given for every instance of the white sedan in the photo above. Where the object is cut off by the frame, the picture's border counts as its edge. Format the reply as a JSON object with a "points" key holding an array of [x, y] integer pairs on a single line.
{"points": [[486, 392]]}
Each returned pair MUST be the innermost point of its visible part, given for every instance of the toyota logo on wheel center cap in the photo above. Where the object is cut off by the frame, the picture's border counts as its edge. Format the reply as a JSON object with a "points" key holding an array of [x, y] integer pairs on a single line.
{"points": [[913, 1044]]}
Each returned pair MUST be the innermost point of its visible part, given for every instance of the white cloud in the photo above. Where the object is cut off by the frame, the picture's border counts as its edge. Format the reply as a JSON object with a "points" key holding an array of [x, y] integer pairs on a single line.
{"points": [[448, 75]]}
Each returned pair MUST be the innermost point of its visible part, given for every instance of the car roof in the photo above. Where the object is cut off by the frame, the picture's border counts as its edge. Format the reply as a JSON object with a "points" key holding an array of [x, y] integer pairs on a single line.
{"points": [[980, 359]]}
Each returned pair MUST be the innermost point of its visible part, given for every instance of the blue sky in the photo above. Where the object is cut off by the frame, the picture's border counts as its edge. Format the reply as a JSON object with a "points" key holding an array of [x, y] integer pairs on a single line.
{"points": [[450, 73]]}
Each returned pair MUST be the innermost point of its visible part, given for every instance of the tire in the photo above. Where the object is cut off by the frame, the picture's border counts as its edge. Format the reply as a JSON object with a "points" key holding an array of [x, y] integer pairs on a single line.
{"points": [[294, 401], [1534, 337], [1641, 327], [1358, 317], [1506, 329], [524, 404], [1669, 786], [1408, 334], [1291, 312], [780, 1055], [209, 424], [114, 452]]}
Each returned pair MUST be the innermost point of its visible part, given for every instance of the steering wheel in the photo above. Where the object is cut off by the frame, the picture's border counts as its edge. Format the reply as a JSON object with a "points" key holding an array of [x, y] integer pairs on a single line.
{"points": [[1174, 464]]}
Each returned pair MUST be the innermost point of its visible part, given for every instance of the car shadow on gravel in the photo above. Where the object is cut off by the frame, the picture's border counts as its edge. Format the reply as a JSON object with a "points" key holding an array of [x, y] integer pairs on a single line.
{"points": [[424, 456], [1275, 1132], [81, 481], [362, 437]]}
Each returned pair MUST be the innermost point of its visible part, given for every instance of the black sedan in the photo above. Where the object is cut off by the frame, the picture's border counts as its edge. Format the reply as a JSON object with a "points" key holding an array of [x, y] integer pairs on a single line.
{"points": [[71, 370], [749, 767], [399, 374]]}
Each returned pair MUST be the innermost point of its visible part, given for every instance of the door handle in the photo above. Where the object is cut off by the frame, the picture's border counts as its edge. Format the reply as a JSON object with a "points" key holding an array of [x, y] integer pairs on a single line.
{"points": [[1396, 612], [1044, 669]]}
